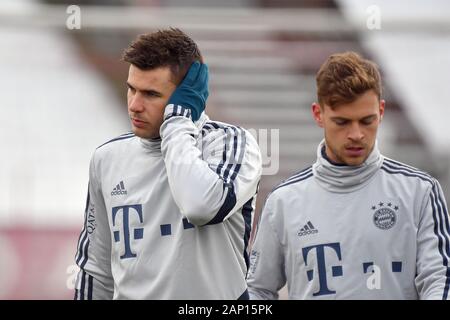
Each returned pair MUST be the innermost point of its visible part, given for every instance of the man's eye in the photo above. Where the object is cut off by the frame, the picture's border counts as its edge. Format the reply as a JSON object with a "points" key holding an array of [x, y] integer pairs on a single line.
{"points": [[367, 122], [341, 122], [151, 94]]}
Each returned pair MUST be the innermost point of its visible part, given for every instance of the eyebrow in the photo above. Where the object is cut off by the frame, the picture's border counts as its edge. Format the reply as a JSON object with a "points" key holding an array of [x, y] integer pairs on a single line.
{"points": [[150, 91], [362, 119]]}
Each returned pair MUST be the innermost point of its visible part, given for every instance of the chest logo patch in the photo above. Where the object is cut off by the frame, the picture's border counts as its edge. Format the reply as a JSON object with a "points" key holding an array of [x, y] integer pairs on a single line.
{"points": [[385, 216]]}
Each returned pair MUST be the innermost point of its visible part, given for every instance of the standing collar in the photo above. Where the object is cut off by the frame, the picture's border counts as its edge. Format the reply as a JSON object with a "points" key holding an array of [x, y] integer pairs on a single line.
{"points": [[341, 178]]}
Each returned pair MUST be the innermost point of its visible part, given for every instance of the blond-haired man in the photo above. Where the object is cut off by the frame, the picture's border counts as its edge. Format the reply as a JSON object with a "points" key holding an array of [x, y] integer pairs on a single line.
{"points": [[355, 224]]}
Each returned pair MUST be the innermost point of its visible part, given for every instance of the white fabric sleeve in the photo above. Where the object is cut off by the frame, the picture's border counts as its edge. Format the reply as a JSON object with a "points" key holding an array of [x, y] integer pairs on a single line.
{"points": [[93, 256], [212, 179], [266, 275], [433, 247]]}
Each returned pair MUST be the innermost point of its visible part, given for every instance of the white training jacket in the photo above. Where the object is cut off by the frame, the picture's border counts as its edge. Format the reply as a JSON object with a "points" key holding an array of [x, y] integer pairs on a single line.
{"points": [[170, 218], [375, 231]]}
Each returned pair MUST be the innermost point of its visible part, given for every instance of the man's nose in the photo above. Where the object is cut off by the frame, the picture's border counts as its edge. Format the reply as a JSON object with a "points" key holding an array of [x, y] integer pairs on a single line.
{"points": [[136, 103], [355, 132]]}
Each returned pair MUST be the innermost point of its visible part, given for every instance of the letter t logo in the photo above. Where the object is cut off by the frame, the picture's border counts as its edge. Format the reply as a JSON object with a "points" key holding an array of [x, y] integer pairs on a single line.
{"points": [[322, 267]]}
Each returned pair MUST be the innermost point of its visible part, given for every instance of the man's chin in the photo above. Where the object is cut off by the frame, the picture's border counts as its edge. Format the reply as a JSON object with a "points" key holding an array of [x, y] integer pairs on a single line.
{"points": [[144, 133], [354, 161]]}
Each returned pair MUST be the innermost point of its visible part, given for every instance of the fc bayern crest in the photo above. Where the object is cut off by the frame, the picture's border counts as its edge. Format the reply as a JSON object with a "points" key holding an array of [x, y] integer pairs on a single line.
{"points": [[384, 216]]}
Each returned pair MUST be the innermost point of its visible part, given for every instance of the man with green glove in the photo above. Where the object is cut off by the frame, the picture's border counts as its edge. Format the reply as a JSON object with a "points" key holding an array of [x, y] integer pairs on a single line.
{"points": [[169, 207]]}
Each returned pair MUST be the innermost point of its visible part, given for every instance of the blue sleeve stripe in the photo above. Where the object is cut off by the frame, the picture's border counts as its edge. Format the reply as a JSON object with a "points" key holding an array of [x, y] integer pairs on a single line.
{"points": [[300, 176], [303, 176], [445, 230], [207, 127], [235, 171], [122, 137], [212, 125], [443, 213], [230, 164], [179, 111], [233, 165], [81, 241], [400, 164], [234, 143], [187, 113], [232, 156], [231, 160], [240, 158], [395, 166], [440, 215], [83, 234], [441, 229], [85, 293], [247, 210], [83, 285], [85, 259], [90, 287], [296, 175], [224, 154], [404, 173], [227, 206], [81, 248]]}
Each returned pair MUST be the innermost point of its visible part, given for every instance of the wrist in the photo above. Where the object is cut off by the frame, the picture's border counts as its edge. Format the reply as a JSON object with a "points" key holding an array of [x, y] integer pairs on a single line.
{"points": [[174, 110]]}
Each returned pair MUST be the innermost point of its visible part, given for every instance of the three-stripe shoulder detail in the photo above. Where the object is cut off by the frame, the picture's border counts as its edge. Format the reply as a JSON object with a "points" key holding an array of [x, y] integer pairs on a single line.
{"points": [[230, 164], [395, 167], [298, 177], [121, 137]]}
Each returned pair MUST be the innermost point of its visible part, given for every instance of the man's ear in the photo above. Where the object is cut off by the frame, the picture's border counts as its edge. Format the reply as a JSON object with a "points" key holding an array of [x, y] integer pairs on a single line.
{"points": [[382, 105], [317, 113]]}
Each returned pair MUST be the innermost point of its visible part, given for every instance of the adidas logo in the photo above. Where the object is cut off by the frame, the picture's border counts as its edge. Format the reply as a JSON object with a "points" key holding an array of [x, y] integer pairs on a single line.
{"points": [[307, 229], [119, 190]]}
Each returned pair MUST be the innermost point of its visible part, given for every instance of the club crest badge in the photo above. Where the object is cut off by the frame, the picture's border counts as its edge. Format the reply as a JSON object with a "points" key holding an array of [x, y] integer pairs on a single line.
{"points": [[385, 216]]}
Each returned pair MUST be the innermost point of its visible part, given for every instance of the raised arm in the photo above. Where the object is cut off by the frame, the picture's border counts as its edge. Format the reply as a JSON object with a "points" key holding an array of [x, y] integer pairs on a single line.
{"points": [[211, 179]]}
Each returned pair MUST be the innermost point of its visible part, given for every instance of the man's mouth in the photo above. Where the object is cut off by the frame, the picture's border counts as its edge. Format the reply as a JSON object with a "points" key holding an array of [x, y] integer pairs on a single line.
{"points": [[354, 151], [138, 123]]}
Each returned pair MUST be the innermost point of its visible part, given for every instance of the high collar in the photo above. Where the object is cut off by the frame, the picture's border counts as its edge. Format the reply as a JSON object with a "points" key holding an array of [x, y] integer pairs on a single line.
{"points": [[153, 146], [343, 178]]}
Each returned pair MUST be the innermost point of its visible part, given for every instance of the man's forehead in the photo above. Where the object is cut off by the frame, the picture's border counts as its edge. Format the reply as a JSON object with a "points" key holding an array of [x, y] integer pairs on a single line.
{"points": [[351, 113], [152, 79]]}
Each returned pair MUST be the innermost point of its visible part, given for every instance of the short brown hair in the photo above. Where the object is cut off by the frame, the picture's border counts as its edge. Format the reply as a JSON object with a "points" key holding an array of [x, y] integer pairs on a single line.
{"points": [[344, 77], [164, 48]]}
